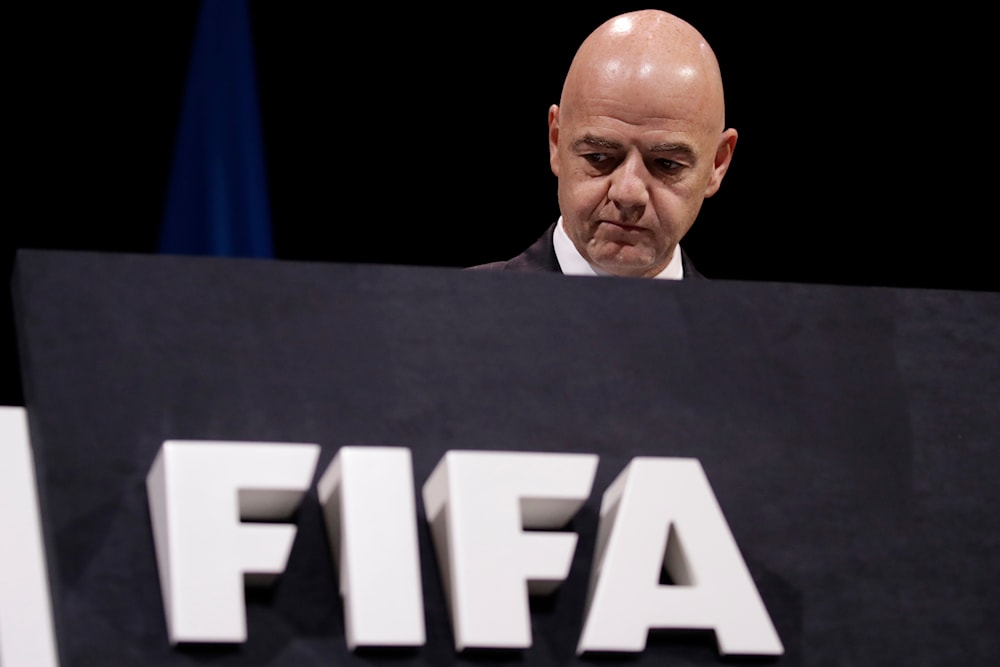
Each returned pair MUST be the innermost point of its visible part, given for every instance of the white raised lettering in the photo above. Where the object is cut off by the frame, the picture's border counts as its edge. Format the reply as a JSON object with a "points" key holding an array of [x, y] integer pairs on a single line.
{"points": [[662, 512], [198, 492], [479, 505], [27, 635], [369, 504]]}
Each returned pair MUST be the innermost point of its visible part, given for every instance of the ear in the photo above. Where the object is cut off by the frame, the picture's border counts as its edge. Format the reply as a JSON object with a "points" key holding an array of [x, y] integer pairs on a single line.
{"points": [[723, 156], [554, 138]]}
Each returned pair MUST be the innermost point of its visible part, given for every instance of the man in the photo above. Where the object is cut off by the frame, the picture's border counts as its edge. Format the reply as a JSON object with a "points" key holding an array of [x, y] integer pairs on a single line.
{"points": [[637, 142]]}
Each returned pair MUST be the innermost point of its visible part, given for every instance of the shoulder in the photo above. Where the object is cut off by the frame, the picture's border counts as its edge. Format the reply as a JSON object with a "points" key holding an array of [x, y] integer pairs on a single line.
{"points": [[540, 257], [690, 272], [490, 266]]}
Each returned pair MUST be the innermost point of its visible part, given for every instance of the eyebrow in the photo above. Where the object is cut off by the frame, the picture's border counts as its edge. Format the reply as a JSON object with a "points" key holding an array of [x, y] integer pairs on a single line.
{"points": [[597, 142], [600, 142], [672, 148]]}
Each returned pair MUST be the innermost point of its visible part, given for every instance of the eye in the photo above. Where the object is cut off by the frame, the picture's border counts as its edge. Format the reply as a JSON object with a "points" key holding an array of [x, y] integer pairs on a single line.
{"points": [[668, 165], [600, 163], [596, 158]]}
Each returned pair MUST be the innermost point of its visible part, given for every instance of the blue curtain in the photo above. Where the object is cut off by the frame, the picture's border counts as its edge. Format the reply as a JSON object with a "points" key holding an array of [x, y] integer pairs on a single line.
{"points": [[217, 201]]}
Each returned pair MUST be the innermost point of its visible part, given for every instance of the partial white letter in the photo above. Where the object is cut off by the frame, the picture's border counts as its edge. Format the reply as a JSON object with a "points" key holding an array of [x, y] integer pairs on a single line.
{"points": [[27, 636], [371, 521], [198, 491], [479, 505], [661, 511]]}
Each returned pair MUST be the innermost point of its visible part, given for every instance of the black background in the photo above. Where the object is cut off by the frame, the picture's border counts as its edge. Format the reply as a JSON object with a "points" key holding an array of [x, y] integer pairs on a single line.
{"points": [[417, 135]]}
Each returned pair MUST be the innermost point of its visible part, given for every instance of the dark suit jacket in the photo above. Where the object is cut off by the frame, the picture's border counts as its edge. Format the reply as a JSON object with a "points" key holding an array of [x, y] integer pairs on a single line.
{"points": [[540, 257]]}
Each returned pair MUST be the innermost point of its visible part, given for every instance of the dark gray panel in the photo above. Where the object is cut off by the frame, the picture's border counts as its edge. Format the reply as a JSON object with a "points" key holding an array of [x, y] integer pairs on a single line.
{"points": [[851, 435]]}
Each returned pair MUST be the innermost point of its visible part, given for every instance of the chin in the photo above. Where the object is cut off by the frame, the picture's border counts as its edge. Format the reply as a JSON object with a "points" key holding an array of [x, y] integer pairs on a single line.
{"points": [[627, 260], [626, 269]]}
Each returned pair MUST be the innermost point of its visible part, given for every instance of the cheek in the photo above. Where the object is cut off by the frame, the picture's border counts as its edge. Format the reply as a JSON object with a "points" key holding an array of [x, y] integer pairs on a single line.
{"points": [[676, 212], [582, 193]]}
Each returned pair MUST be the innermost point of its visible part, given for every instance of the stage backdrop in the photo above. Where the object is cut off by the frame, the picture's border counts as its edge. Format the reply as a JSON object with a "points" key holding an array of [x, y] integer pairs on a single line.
{"points": [[851, 435]]}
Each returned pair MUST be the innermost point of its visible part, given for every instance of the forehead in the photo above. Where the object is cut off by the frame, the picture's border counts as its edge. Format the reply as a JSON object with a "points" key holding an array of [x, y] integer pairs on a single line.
{"points": [[643, 118], [643, 97]]}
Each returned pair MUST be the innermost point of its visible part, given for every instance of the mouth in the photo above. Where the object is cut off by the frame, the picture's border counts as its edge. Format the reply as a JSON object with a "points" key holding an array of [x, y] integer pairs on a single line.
{"points": [[624, 226]]}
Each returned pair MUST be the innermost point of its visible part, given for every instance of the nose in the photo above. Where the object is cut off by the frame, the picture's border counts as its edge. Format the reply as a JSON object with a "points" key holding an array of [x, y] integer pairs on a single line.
{"points": [[628, 183]]}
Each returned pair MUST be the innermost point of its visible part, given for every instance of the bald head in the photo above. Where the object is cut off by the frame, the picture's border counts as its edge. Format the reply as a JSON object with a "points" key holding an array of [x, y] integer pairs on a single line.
{"points": [[649, 50], [638, 141]]}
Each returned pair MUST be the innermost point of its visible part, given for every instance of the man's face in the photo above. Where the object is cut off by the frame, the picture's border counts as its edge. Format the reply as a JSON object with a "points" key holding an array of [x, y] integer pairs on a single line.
{"points": [[635, 160]]}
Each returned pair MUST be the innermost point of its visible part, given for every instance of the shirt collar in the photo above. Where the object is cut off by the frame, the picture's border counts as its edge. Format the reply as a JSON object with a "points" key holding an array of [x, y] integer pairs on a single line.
{"points": [[573, 263]]}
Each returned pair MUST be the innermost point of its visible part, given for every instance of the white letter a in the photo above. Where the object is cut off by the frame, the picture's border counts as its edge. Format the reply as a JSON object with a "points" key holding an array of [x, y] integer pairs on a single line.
{"points": [[661, 511]]}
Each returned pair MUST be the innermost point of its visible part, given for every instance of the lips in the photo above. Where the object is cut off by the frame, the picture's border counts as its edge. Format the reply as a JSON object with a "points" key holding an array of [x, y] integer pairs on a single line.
{"points": [[624, 226]]}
